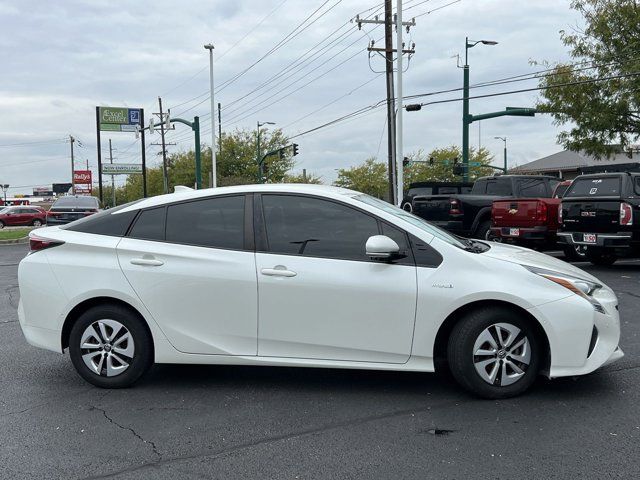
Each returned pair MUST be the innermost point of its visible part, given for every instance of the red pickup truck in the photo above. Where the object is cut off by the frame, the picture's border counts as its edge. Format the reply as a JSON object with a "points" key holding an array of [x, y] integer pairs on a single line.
{"points": [[531, 222]]}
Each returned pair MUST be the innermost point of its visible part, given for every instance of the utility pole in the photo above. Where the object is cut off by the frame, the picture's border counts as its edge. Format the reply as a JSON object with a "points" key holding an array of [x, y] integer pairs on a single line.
{"points": [[210, 47], [113, 181], [388, 51], [219, 129], [73, 187], [399, 144], [165, 173]]}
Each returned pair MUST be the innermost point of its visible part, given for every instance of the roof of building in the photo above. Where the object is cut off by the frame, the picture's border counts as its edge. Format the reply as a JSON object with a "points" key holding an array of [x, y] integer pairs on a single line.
{"points": [[569, 160]]}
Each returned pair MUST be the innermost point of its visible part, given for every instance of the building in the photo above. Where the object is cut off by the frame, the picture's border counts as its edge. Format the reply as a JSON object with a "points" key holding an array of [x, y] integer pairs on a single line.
{"points": [[568, 164]]}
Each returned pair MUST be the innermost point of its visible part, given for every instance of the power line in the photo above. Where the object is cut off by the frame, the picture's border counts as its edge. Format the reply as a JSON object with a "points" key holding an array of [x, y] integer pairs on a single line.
{"points": [[40, 142]]}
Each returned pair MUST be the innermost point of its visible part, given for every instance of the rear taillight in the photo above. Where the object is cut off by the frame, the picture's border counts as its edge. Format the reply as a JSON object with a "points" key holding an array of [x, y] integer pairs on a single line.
{"points": [[626, 214], [541, 211], [89, 212], [454, 207], [39, 243], [560, 213]]}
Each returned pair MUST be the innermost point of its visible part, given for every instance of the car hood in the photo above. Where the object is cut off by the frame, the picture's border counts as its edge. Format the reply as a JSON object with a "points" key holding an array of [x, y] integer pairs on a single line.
{"points": [[526, 256]]}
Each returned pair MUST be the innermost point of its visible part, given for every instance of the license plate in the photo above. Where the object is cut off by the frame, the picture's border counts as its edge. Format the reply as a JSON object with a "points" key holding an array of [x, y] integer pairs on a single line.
{"points": [[514, 232], [589, 238]]}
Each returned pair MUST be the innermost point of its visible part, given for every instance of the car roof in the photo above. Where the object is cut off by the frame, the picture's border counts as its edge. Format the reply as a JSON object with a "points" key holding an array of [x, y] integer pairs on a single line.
{"points": [[185, 193]]}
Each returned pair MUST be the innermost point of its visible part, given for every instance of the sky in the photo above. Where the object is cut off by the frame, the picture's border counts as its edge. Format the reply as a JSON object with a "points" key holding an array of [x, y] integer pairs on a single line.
{"points": [[59, 60]]}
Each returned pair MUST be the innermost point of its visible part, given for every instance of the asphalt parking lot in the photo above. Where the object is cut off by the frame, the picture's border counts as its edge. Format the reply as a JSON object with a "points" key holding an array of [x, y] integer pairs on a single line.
{"points": [[230, 422]]}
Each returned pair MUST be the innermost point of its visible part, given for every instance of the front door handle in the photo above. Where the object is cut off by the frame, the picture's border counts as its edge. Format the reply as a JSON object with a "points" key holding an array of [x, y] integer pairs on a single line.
{"points": [[146, 262], [278, 271]]}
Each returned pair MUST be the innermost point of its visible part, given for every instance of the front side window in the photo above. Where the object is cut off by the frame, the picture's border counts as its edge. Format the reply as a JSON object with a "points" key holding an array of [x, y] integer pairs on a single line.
{"points": [[212, 222], [314, 227]]}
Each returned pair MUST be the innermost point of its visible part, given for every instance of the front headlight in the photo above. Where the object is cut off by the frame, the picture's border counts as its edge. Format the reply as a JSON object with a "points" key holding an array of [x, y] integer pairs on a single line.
{"points": [[579, 286]]}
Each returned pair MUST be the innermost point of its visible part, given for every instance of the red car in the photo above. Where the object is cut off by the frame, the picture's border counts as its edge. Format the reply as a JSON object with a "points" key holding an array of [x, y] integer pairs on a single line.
{"points": [[22, 215]]}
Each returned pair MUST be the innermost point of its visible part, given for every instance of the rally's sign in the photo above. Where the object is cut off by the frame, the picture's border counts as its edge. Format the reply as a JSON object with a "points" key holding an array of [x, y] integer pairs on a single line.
{"points": [[121, 168], [119, 119], [82, 177]]}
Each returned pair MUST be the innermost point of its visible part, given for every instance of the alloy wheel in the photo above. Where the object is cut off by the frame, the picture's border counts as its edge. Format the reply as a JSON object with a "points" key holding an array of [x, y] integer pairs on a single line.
{"points": [[107, 348], [501, 354], [37, 223]]}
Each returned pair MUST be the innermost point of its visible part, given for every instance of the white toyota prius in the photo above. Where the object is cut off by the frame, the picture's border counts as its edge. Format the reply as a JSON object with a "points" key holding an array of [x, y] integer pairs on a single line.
{"points": [[308, 276]]}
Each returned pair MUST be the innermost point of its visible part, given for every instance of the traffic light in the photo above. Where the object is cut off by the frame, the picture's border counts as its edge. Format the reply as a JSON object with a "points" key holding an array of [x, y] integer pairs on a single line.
{"points": [[295, 149], [405, 162]]}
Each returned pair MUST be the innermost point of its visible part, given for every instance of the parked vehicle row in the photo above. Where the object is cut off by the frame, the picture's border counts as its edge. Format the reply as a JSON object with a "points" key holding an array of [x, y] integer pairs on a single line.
{"points": [[64, 210], [22, 215]]}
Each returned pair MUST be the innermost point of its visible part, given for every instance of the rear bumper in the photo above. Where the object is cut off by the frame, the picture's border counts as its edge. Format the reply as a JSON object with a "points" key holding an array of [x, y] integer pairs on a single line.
{"points": [[455, 226], [56, 221], [604, 240], [539, 233], [38, 336]]}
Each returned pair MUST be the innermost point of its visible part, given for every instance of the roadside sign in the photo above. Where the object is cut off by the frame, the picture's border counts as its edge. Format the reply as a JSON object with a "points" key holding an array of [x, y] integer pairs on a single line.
{"points": [[121, 168], [82, 177], [119, 119]]}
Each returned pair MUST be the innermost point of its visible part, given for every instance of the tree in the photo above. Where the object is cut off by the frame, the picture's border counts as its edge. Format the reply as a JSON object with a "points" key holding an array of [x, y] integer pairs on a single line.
{"points": [[236, 165], [420, 170], [310, 178], [601, 113], [369, 177]]}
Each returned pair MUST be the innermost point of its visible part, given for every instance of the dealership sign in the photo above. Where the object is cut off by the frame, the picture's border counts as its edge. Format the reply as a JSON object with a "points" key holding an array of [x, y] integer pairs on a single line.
{"points": [[82, 177], [121, 168], [119, 119]]}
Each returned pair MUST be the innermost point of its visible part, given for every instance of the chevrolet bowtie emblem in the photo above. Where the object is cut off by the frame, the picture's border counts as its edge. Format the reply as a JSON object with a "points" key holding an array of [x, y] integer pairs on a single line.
{"points": [[513, 211]]}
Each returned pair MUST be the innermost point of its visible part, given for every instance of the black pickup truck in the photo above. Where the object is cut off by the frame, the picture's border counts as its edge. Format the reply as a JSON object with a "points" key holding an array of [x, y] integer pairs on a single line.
{"points": [[598, 212], [470, 215], [433, 188]]}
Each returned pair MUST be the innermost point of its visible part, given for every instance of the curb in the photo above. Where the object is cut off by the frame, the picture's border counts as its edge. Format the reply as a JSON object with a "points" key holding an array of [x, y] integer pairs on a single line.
{"points": [[15, 241]]}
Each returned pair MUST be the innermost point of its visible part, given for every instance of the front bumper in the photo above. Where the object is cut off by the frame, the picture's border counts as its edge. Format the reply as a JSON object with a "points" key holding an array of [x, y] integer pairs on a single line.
{"points": [[581, 339], [603, 240]]}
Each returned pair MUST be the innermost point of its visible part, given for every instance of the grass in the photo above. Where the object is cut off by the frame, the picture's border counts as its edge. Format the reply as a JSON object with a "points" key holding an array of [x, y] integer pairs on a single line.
{"points": [[13, 234]]}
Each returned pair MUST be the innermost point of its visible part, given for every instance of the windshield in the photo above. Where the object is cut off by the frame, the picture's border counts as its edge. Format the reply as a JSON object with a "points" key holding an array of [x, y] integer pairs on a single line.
{"points": [[412, 219]]}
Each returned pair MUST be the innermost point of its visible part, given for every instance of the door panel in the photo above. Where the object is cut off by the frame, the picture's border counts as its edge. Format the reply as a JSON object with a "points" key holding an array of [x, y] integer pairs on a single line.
{"points": [[204, 299], [320, 297], [335, 309]]}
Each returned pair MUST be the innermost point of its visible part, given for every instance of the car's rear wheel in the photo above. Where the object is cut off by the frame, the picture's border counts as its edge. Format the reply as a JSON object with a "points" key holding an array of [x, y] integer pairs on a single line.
{"points": [[1, 224], [110, 346], [37, 223], [601, 258], [575, 253], [494, 353]]}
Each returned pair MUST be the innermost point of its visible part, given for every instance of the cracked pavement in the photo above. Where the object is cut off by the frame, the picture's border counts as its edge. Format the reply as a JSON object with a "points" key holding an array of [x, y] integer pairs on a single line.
{"points": [[192, 422]]}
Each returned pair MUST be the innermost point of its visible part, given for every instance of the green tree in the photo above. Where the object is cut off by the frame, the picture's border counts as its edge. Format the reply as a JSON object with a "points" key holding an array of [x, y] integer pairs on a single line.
{"points": [[420, 170], [235, 166], [598, 114], [369, 177], [300, 178]]}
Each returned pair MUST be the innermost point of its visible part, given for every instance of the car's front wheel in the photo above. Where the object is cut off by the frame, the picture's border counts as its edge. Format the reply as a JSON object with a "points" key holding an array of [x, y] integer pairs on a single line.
{"points": [[494, 353], [110, 346]]}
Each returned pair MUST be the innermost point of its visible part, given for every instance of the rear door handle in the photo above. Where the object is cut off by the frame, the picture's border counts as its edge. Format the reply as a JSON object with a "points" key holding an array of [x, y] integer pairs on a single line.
{"points": [[278, 271], [147, 262]]}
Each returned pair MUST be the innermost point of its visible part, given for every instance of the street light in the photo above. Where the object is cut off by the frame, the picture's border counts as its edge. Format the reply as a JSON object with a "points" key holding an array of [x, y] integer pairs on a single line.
{"points": [[504, 139], [465, 102], [258, 159], [210, 47]]}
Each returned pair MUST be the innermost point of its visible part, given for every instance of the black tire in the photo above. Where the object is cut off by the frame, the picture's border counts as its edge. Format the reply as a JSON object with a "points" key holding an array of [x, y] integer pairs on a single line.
{"points": [[37, 223], [602, 258], [483, 230], [138, 365], [575, 253], [462, 361]]}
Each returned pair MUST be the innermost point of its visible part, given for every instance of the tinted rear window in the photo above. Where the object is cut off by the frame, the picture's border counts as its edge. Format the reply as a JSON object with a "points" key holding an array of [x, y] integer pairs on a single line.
{"points": [[149, 225], [595, 187], [532, 188], [78, 202], [420, 191], [106, 222], [499, 186]]}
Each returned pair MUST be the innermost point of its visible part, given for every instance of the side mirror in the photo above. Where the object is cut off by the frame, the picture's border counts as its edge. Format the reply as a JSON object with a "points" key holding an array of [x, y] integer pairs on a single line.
{"points": [[381, 247]]}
